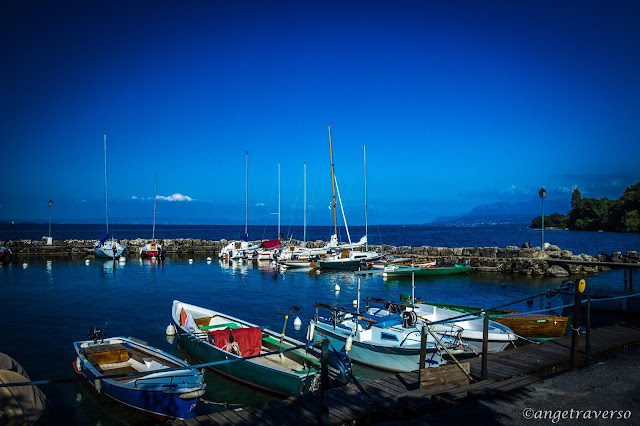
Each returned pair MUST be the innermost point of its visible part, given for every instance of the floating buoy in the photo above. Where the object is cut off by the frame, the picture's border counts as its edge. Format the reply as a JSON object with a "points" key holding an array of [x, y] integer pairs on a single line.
{"points": [[153, 258], [122, 259], [355, 302], [347, 345], [86, 262], [297, 323], [171, 330], [190, 260], [208, 259], [24, 265], [337, 287]]}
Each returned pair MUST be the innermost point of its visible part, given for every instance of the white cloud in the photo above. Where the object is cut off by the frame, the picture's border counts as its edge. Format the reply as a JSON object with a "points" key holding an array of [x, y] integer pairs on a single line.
{"points": [[175, 197], [260, 205], [133, 197]]}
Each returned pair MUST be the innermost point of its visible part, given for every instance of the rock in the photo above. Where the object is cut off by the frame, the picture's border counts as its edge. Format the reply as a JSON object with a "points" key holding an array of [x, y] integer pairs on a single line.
{"points": [[527, 245], [557, 271], [551, 247]]}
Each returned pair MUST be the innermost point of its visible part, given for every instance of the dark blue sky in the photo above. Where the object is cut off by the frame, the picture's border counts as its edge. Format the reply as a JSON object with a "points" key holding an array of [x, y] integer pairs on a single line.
{"points": [[459, 103]]}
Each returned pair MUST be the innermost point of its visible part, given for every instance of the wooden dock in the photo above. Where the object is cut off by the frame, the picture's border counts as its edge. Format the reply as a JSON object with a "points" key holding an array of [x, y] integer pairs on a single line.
{"points": [[399, 396]]}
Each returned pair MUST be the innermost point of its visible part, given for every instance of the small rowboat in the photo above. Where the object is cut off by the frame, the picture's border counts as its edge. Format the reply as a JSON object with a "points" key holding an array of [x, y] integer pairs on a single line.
{"points": [[165, 395]]}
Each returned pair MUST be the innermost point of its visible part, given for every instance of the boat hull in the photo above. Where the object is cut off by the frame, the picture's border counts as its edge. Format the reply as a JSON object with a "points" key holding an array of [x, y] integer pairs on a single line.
{"points": [[377, 356], [341, 264], [403, 271], [109, 250]]}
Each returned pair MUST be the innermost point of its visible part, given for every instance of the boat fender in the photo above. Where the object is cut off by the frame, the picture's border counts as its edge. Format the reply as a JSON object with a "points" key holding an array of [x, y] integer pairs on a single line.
{"points": [[311, 331], [171, 330], [348, 344], [78, 365], [191, 395], [98, 385]]}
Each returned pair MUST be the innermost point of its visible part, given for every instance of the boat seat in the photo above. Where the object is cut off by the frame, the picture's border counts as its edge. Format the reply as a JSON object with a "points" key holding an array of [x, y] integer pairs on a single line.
{"points": [[220, 326], [121, 370]]}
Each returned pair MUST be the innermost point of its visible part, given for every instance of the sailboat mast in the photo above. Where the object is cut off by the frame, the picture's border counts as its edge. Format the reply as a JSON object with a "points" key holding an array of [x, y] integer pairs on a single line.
{"points": [[305, 205], [246, 193], [333, 187], [366, 227], [155, 198], [106, 192], [278, 200]]}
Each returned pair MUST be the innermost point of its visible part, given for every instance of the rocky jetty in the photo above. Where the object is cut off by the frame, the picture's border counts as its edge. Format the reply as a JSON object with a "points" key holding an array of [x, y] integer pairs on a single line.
{"points": [[525, 259]]}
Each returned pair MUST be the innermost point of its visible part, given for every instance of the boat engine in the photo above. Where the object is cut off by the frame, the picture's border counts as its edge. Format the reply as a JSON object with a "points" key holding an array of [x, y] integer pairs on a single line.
{"points": [[339, 367], [409, 319], [96, 334]]}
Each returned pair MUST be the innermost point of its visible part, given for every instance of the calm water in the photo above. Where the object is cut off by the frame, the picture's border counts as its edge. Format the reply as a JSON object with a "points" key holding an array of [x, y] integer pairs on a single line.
{"points": [[48, 305]]}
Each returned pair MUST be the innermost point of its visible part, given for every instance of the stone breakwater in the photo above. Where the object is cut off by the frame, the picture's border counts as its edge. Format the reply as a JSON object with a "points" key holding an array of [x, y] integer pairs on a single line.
{"points": [[526, 259]]}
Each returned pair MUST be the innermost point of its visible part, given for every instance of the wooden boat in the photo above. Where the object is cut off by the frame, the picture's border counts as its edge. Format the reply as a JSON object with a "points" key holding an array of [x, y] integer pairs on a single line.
{"points": [[153, 249], [212, 336], [164, 395], [107, 247], [407, 271], [529, 326]]}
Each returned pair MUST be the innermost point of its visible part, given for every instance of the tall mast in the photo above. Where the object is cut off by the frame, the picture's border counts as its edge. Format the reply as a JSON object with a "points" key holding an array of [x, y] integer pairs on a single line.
{"points": [[333, 187], [246, 194], [155, 198], [366, 229], [305, 205], [106, 192], [278, 200]]}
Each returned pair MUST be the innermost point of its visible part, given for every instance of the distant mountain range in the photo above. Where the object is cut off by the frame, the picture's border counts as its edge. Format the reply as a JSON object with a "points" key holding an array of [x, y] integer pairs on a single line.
{"points": [[504, 212]]}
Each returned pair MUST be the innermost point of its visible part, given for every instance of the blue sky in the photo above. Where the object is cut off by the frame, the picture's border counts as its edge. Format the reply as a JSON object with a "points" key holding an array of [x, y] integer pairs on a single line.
{"points": [[459, 103]]}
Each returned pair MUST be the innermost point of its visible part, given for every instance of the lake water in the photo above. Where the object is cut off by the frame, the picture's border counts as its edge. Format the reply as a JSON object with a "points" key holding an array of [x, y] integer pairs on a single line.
{"points": [[48, 305]]}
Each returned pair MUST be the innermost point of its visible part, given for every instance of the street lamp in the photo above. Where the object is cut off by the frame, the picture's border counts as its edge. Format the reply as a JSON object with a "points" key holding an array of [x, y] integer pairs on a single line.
{"points": [[50, 204], [542, 193]]}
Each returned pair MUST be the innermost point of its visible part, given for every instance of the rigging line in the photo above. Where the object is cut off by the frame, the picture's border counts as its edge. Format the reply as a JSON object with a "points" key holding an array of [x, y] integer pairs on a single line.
{"points": [[295, 203]]}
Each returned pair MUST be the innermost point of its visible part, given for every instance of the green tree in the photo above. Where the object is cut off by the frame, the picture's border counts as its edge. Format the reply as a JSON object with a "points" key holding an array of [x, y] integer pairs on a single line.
{"points": [[575, 198], [631, 221]]}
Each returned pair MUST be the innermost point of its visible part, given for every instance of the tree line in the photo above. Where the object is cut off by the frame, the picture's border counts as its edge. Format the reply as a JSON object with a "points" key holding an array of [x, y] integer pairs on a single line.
{"points": [[591, 214]]}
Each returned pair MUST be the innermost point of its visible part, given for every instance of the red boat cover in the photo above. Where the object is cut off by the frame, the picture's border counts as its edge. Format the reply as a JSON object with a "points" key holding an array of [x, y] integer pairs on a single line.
{"points": [[183, 317], [249, 340], [271, 244]]}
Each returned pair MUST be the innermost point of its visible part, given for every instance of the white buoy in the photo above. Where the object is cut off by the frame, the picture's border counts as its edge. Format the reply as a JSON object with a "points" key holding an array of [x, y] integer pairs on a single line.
{"points": [[347, 345], [24, 265], [122, 259], [297, 323], [355, 302], [208, 259], [190, 260], [171, 330], [337, 287], [86, 262]]}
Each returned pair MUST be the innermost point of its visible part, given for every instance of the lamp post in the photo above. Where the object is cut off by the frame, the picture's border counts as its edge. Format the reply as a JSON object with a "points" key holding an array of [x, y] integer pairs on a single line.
{"points": [[542, 193], [50, 204]]}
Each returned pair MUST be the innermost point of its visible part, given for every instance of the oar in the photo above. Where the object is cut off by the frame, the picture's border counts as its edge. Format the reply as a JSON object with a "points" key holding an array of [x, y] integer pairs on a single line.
{"points": [[286, 319]]}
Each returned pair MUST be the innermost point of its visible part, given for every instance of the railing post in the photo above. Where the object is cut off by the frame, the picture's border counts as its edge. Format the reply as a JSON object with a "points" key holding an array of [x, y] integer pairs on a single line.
{"points": [[423, 351], [630, 278], [575, 327], [588, 330], [485, 346], [324, 384], [625, 277]]}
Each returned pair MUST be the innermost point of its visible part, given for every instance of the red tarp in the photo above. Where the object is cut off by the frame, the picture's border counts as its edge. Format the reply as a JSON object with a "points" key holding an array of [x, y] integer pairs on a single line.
{"points": [[271, 244], [249, 340]]}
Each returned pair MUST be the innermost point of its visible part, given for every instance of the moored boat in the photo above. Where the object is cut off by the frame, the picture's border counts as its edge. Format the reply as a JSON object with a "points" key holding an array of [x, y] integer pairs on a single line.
{"points": [[164, 395], [5, 254], [153, 249], [398, 270], [529, 326], [211, 336], [388, 342]]}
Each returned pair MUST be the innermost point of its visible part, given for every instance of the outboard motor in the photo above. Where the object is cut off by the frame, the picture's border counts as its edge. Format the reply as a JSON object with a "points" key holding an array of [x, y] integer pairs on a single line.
{"points": [[96, 334], [339, 367], [409, 319]]}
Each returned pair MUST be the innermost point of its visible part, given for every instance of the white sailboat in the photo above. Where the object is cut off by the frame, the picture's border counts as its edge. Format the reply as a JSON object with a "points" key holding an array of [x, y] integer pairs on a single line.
{"points": [[107, 247], [153, 249], [241, 249]]}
